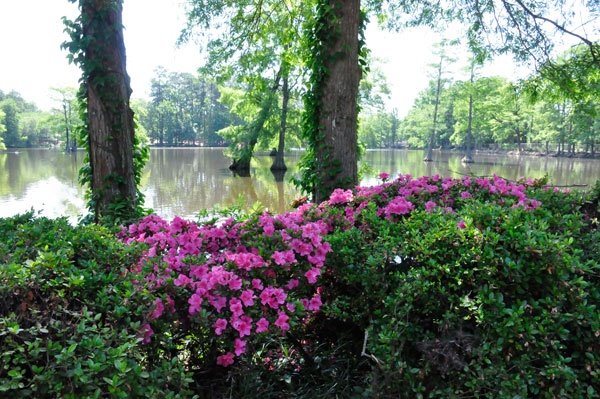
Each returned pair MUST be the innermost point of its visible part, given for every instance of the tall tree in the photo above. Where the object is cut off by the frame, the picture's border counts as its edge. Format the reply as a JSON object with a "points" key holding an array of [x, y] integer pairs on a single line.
{"points": [[330, 125], [475, 61], [444, 59], [66, 97], [263, 38], [279, 162], [97, 46], [523, 28], [12, 136]]}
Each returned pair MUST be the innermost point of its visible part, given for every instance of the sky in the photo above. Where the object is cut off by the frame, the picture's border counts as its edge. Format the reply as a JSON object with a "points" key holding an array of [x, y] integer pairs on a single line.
{"points": [[31, 61]]}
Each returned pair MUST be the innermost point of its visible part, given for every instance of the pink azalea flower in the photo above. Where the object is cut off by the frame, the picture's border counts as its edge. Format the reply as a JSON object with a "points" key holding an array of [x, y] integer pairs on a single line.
{"points": [[461, 225], [292, 284], [384, 176], [339, 196], [257, 284], [465, 194], [290, 307], [429, 206], [315, 303], [225, 360], [235, 283], [312, 275], [158, 311], [182, 280], [279, 257], [195, 301], [274, 297], [323, 249], [235, 305], [219, 326], [398, 206], [147, 332], [219, 303], [247, 297], [239, 346], [268, 229], [243, 325], [281, 321], [262, 325]]}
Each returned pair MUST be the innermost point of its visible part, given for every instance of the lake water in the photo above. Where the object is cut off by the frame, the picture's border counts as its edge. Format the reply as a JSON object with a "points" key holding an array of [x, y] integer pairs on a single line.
{"points": [[184, 181]]}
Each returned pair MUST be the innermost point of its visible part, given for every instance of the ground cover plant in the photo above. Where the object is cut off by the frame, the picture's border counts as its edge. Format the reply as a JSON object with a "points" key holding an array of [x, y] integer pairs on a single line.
{"points": [[70, 319], [428, 287]]}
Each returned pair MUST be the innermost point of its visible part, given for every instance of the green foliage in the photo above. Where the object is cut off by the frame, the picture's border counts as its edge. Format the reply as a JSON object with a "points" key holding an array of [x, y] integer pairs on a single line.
{"points": [[506, 307], [70, 316], [12, 135], [183, 110]]}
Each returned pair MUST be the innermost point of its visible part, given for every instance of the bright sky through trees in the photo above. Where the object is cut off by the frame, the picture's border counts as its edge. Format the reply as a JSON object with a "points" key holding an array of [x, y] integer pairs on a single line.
{"points": [[32, 61]]}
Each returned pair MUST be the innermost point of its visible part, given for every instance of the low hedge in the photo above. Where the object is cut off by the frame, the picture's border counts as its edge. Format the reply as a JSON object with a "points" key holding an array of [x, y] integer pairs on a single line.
{"points": [[430, 287], [70, 319]]}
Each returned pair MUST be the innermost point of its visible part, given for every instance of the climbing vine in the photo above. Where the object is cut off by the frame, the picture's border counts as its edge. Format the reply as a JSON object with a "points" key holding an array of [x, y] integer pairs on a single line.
{"points": [[87, 36], [320, 36]]}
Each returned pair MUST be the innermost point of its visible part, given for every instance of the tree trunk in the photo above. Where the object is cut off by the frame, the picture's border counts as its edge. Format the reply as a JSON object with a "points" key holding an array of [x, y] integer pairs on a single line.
{"points": [[394, 128], [241, 165], [468, 158], [73, 133], [429, 156], [336, 150], [279, 162], [110, 124], [67, 147]]}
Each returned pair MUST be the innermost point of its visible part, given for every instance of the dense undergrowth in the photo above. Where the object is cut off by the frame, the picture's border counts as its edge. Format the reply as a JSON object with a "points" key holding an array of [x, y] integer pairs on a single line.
{"points": [[433, 288]]}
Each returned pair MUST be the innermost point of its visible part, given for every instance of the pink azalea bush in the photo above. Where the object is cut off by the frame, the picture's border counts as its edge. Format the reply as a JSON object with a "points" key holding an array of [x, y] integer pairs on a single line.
{"points": [[242, 281]]}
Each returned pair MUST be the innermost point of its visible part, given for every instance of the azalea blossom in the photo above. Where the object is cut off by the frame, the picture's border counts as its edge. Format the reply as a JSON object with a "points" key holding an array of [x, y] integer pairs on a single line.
{"points": [[225, 360], [282, 321], [262, 325], [195, 301], [239, 346], [219, 326]]}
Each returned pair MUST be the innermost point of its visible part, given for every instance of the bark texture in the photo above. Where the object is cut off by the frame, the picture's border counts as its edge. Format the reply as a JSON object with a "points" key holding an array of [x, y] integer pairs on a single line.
{"points": [[110, 119], [337, 150], [279, 162], [468, 158], [429, 155]]}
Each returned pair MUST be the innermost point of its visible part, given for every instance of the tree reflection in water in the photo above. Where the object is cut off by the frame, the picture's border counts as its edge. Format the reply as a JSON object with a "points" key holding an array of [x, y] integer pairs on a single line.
{"points": [[182, 181]]}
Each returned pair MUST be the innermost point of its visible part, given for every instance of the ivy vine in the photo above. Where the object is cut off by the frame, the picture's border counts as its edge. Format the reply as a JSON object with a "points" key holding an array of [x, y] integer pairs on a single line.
{"points": [[94, 72], [321, 34]]}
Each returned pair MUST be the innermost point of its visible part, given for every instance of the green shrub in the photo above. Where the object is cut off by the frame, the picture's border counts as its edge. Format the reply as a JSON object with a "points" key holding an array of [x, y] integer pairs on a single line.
{"points": [[69, 318], [506, 307]]}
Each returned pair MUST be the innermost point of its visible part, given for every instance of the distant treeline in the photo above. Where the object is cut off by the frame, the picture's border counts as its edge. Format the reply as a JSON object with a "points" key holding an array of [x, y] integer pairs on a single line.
{"points": [[556, 109]]}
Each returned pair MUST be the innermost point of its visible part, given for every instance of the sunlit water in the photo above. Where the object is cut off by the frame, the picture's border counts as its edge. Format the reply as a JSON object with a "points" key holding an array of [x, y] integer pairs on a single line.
{"points": [[184, 181]]}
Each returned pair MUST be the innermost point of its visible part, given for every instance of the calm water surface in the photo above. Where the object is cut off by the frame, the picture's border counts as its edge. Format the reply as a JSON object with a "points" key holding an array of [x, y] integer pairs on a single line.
{"points": [[184, 181]]}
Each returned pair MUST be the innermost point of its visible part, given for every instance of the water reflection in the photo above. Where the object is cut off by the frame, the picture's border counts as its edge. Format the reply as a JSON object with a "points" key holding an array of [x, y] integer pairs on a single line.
{"points": [[184, 181]]}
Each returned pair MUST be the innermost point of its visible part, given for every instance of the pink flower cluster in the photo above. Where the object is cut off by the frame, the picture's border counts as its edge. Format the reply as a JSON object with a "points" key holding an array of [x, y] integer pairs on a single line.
{"points": [[253, 277], [260, 276]]}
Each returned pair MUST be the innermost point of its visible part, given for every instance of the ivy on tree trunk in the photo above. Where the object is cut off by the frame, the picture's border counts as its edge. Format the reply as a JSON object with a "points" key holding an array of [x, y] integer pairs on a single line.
{"points": [[330, 123], [114, 170]]}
